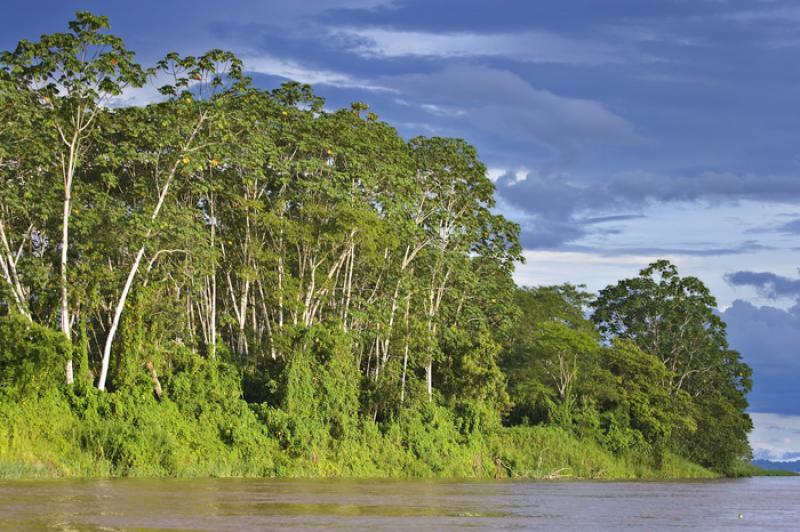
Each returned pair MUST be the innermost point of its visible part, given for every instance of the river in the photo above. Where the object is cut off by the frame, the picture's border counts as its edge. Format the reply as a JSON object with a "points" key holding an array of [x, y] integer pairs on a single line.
{"points": [[762, 503]]}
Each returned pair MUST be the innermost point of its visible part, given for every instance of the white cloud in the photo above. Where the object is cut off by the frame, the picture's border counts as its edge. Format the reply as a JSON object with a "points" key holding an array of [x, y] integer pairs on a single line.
{"points": [[137, 96], [594, 270], [439, 110], [495, 173], [646, 34], [775, 436], [521, 174], [436, 110], [598, 257], [285, 68], [528, 46]]}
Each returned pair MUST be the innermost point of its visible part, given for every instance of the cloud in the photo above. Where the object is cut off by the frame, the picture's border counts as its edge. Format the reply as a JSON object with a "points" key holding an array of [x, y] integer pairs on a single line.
{"points": [[777, 25], [557, 202], [767, 284], [711, 186], [502, 103], [769, 340], [435, 110], [558, 193], [775, 437], [612, 218], [790, 228], [650, 34], [527, 46], [292, 70], [747, 246], [494, 101], [549, 208], [248, 10], [137, 96], [596, 271]]}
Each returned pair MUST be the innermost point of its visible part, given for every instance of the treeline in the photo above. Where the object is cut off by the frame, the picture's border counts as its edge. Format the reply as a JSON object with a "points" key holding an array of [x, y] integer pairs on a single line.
{"points": [[650, 370], [235, 274]]}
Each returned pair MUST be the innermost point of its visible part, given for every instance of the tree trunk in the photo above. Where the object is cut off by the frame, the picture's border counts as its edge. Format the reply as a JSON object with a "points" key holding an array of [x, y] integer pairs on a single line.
{"points": [[112, 332], [9, 265], [429, 378], [66, 325], [405, 353], [154, 377], [213, 288], [101, 384]]}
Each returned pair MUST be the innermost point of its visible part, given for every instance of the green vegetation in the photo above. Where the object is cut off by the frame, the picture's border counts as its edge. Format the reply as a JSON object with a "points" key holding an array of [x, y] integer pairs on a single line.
{"points": [[238, 282], [752, 470], [765, 468]]}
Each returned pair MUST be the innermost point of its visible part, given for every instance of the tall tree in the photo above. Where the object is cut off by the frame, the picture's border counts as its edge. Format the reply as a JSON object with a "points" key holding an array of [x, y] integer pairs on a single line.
{"points": [[673, 318], [72, 76], [183, 124]]}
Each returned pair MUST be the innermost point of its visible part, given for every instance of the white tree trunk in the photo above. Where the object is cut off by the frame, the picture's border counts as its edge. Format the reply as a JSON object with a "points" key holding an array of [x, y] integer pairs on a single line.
{"points": [[429, 378], [9, 265], [101, 383], [69, 173]]}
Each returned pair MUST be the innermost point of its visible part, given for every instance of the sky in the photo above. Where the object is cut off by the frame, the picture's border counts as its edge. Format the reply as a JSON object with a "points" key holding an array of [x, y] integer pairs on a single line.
{"points": [[616, 132]]}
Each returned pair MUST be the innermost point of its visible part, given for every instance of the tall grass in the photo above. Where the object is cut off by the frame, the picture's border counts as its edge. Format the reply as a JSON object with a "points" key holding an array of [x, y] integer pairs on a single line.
{"points": [[136, 436]]}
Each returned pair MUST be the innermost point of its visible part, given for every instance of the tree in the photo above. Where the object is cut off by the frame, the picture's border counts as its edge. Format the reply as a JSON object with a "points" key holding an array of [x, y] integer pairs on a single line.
{"points": [[550, 346], [19, 184], [71, 78], [457, 193], [186, 119], [673, 318], [639, 413]]}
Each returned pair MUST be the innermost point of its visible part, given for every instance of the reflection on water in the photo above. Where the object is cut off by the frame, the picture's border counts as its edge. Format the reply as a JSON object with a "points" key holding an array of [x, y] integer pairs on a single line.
{"points": [[753, 504]]}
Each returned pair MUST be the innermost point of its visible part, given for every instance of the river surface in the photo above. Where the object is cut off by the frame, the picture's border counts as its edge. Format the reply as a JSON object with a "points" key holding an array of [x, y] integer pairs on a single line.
{"points": [[766, 503]]}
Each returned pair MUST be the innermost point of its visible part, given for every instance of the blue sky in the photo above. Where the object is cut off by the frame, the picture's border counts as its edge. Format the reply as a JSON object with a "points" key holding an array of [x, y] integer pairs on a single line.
{"points": [[617, 132]]}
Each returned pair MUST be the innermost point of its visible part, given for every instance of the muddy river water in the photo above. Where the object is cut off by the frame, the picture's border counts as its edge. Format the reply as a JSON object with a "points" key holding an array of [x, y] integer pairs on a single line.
{"points": [[767, 503]]}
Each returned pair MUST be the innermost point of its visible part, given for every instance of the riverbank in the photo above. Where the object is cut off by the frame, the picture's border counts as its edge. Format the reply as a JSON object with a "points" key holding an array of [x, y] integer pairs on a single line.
{"points": [[753, 470], [123, 435]]}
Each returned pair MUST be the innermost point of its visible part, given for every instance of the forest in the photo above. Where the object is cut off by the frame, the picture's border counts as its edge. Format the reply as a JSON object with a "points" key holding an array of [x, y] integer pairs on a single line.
{"points": [[232, 281]]}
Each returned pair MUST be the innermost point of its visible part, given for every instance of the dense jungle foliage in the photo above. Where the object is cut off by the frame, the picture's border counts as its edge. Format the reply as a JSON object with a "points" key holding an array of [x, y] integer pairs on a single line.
{"points": [[233, 281]]}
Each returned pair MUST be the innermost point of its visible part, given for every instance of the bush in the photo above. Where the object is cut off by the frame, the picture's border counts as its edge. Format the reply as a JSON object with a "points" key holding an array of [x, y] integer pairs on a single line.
{"points": [[32, 357]]}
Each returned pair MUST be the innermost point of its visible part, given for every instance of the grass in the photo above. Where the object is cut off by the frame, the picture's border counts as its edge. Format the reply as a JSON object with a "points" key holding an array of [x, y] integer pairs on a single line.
{"points": [[118, 435], [750, 470]]}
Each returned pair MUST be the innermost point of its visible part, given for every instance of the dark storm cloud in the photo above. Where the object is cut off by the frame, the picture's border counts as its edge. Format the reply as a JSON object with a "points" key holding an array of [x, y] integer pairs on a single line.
{"points": [[769, 340]]}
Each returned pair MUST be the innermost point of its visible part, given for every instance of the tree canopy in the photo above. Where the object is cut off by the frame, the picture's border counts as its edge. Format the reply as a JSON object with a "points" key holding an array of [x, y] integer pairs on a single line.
{"points": [[313, 272], [674, 319]]}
